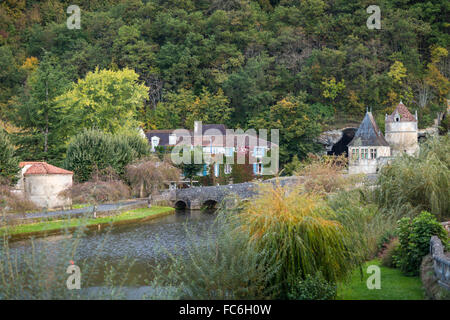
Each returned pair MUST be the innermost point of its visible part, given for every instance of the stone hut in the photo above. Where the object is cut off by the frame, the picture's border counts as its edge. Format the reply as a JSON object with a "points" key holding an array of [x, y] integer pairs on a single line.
{"points": [[401, 131], [42, 183], [368, 148]]}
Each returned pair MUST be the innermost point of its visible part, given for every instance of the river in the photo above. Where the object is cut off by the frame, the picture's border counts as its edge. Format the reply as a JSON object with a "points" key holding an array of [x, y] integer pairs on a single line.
{"points": [[137, 242]]}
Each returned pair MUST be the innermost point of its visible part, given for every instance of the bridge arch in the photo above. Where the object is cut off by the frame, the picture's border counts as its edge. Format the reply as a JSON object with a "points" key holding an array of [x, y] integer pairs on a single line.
{"points": [[210, 204], [180, 204]]}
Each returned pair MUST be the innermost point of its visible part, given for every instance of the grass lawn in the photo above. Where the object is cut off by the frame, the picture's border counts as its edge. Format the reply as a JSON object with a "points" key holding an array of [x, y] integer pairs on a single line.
{"points": [[80, 205], [394, 286], [44, 226]]}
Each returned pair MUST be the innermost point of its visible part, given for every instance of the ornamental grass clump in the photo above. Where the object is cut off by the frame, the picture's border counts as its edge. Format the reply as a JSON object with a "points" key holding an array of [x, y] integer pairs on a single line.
{"points": [[301, 232], [325, 174], [422, 181]]}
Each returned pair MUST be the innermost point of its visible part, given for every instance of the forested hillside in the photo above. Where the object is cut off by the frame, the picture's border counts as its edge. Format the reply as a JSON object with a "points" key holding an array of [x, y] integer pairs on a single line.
{"points": [[294, 65]]}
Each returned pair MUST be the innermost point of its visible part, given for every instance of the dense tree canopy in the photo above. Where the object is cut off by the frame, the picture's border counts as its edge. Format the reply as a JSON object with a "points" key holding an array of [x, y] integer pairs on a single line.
{"points": [[229, 61]]}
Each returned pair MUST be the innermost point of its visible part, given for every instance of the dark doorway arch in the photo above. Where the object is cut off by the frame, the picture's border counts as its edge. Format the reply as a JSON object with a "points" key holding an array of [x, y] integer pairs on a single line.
{"points": [[341, 146]]}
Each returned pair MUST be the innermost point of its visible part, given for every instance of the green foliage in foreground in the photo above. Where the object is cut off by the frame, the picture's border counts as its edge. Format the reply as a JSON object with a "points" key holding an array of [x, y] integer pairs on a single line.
{"points": [[95, 150], [423, 181], [71, 223], [394, 286], [414, 237], [312, 288]]}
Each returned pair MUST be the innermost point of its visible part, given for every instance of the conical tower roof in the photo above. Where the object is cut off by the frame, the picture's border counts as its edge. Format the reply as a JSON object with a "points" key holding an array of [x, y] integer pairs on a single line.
{"points": [[403, 114], [368, 134]]}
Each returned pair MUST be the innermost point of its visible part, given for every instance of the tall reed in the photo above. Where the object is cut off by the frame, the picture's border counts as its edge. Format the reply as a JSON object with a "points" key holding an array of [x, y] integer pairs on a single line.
{"points": [[422, 181], [225, 265], [40, 272]]}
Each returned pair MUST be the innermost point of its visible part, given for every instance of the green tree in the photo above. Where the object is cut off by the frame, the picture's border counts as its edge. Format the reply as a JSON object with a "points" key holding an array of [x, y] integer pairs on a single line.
{"points": [[209, 109], [9, 163], [298, 123], [46, 123], [190, 169], [107, 100]]}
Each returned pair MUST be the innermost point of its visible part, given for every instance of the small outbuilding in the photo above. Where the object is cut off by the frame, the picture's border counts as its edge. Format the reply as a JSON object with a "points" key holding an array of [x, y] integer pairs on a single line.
{"points": [[42, 183]]}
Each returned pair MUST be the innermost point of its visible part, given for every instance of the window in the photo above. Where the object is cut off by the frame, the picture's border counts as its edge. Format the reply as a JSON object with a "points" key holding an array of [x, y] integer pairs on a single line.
{"points": [[155, 142], [227, 169], [355, 154], [259, 168], [172, 139], [258, 152], [364, 153], [373, 153]]}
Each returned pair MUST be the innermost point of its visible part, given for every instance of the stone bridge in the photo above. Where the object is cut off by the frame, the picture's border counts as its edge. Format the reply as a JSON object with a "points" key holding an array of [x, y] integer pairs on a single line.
{"points": [[200, 197]]}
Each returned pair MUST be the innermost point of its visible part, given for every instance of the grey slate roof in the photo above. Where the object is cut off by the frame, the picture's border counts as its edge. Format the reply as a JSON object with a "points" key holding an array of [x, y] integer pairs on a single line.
{"points": [[368, 134], [163, 136]]}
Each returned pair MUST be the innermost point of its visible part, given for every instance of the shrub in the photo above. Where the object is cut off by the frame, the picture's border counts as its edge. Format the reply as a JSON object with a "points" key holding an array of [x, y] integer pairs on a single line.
{"points": [[149, 174], [423, 181], [301, 231], [312, 287], [93, 149], [414, 237], [390, 254], [9, 163], [325, 174], [98, 191], [12, 202]]}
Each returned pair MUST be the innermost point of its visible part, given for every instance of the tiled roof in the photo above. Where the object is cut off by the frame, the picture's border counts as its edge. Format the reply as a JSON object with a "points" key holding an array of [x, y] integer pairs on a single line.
{"points": [[219, 127], [368, 134], [163, 135], [403, 112], [40, 167]]}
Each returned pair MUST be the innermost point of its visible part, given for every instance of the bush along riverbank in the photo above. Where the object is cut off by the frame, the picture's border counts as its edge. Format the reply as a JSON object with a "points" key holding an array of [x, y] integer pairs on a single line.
{"points": [[45, 228]]}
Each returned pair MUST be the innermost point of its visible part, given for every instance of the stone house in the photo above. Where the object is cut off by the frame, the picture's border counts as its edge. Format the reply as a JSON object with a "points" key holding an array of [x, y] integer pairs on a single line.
{"points": [[212, 138], [367, 147], [42, 183], [401, 131]]}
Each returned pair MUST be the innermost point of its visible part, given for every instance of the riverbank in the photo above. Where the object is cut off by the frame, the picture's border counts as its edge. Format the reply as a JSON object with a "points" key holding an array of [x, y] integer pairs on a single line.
{"points": [[45, 228], [394, 286]]}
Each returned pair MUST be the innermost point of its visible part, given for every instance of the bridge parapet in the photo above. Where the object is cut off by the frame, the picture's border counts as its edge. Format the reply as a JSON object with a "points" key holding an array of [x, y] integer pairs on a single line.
{"points": [[197, 197]]}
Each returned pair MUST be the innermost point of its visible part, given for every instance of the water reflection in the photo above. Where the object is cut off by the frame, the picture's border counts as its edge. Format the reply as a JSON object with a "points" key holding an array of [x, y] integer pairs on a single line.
{"points": [[141, 242]]}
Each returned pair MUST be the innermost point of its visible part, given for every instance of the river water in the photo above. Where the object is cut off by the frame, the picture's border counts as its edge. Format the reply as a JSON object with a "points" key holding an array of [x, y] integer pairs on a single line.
{"points": [[141, 243]]}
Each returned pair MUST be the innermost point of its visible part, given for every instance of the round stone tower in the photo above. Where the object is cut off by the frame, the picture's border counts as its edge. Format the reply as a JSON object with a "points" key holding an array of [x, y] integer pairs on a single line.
{"points": [[401, 131]]}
